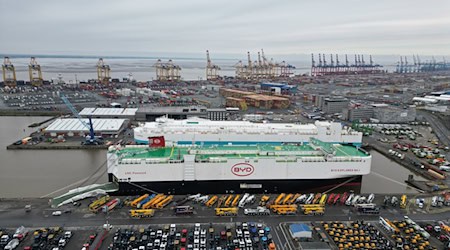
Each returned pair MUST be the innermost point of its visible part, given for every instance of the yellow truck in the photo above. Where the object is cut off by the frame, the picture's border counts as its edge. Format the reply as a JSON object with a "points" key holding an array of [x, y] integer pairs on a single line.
{"points": [[264, 200], [136, 201], [164, 202], [284, 209], [229, 211], [221, 200], [228, 200], [296, 196], [403, 201], [236, 200], [211, 201], [153, 201], [95, 205], [319, 210], [323, 199], [279, 198], [142, 213], [287, 199]]}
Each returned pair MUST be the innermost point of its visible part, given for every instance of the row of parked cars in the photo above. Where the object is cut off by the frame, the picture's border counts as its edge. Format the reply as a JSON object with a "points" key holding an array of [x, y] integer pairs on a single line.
{"points": [[247, 236]]}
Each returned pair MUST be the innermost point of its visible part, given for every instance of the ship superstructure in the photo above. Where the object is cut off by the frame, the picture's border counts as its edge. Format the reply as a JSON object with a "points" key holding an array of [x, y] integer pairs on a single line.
{"points": [[205, 132], [219, 169]]}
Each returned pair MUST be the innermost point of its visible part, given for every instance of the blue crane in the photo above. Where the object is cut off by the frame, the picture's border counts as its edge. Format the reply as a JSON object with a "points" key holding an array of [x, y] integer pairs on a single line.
{"points": [[92, 139]]}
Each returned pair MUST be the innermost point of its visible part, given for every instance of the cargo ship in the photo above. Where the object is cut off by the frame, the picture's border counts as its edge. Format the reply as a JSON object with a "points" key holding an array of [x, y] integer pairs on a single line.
{"points": [[206, 132], [189, 169]]}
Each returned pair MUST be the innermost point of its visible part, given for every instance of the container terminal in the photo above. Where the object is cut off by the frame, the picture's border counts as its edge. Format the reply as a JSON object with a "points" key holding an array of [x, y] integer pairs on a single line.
{"points": [[426, 154]]}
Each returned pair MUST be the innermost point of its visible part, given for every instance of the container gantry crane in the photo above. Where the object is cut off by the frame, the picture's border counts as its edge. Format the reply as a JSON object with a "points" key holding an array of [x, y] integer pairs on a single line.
{"points": [[9, 73], [34, 70], [212, 70], [103, 71]]}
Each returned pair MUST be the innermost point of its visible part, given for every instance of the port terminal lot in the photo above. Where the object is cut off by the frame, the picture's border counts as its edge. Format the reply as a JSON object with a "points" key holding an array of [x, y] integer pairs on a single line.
{"points": [[84, 223]]}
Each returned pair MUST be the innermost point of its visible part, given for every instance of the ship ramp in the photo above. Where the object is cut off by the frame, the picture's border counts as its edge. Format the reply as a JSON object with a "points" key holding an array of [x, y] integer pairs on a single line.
{"points": [[83, 192]]}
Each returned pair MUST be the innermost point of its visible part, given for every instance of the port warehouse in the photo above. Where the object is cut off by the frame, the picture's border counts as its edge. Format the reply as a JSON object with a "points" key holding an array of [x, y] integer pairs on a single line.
{"points": [[73, 127], [125, 113]]}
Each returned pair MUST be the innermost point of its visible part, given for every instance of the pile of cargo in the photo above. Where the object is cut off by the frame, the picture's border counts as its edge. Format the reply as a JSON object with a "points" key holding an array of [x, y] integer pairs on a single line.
{"points": [[356, 235]]}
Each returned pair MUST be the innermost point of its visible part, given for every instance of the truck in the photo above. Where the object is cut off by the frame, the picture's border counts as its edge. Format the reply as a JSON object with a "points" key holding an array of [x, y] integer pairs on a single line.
{"points": [[135, 202], [264, 200], [243, 201], [323, 199], [180, 210], [142, 203], [110, 205], [154, 201], [320, 210], [403, 201], [284, 209], [164, 202], [257, 211], [236, 200], [95, 205], [228, 200], [142, 213], [279, 198], [287, 199], [230, 211], [212, 201]]}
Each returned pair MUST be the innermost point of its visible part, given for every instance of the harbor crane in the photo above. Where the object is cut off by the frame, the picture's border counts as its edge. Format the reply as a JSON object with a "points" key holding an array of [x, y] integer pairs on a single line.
{"points": [[103, 71], [34, 70], [9, 73], [91, 139], [167, 72], [212, 70]]}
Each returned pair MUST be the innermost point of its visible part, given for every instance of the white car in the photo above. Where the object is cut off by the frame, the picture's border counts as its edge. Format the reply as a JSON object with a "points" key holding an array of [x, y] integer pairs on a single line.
{"points": [[56, 213], [12, 244]]}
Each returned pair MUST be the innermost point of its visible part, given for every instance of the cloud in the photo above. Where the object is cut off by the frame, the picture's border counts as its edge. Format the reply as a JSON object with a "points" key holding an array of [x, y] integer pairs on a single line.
{"points": [[116, 27]]}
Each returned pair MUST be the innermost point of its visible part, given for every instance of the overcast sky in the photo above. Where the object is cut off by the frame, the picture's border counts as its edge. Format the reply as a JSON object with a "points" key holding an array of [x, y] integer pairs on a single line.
{"points": [[146, 28]]}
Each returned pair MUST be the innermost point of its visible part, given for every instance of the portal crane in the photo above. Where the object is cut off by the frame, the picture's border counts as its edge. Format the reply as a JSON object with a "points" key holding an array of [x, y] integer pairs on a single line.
{"points": [[9, 73], [91, 139], [212, 70], [103, 71], [34, 70]]}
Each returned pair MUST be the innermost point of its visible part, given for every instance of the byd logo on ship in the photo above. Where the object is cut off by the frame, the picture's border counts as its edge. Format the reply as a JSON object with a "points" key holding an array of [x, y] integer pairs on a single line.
{"points": [[242, 169]]}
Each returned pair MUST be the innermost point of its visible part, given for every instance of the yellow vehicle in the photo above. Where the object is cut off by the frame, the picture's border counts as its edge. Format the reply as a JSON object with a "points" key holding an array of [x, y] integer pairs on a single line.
{"points": [[164, 202], [228, 200], [296, 196], [323, 199], [211, 201], [236, 200], [279, 198], [314, 210], [153, 201], [264, 200], [284, 209], [142, 213], [316, 198], [136, 201], [94, 206], [403, 201], [221, 201], [287, 199], [227, 211]]}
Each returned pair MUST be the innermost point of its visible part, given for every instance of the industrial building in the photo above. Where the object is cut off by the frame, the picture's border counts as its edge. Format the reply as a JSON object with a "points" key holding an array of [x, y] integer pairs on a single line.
{"points": [[358, 113], [278, 88], [150, 114], [125, 113], [391, 114], [332, 105], [73, 127]]}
